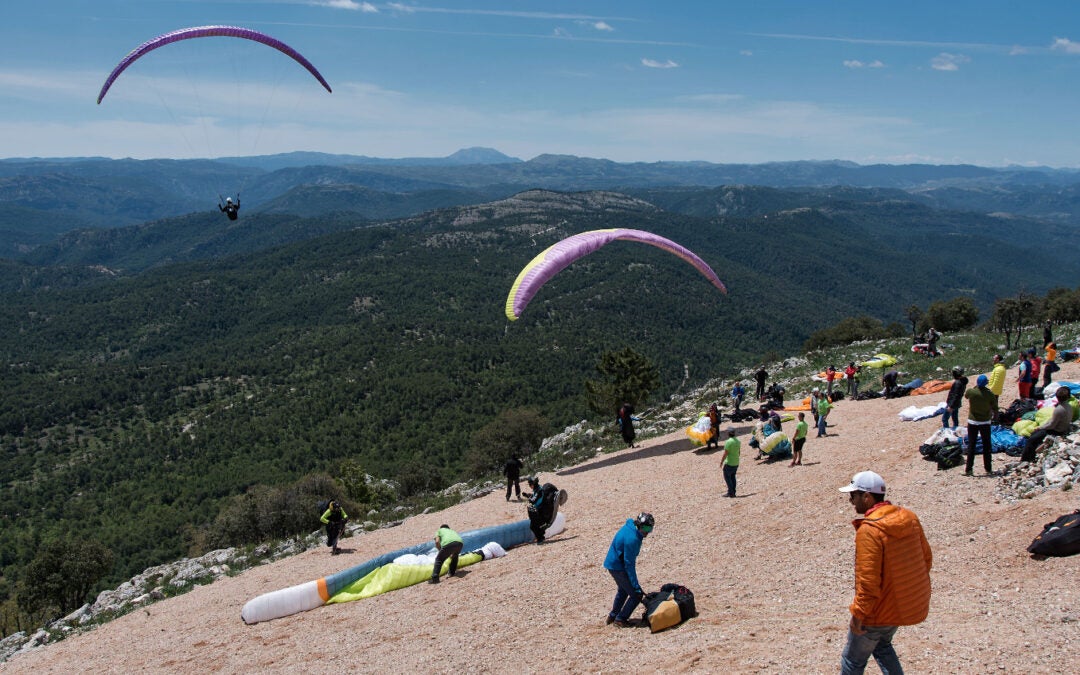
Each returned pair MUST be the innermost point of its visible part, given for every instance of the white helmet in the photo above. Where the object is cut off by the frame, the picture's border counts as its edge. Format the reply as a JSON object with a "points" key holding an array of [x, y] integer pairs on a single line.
{"points": [[228, 200]]}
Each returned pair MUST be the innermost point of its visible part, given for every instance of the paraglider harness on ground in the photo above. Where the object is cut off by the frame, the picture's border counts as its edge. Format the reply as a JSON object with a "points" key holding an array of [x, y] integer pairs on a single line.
{"points": [[743, 415], [669, 607], [1016, 410], [774, 397], [1058, 539]]}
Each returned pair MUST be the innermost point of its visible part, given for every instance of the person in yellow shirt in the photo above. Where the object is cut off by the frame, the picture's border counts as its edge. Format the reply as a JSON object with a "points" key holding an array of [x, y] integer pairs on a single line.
{"points": [[997, 377]]}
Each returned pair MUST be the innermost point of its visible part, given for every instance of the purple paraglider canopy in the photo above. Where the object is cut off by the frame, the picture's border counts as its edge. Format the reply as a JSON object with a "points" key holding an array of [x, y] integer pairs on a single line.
{"points": [[208, 31], [558, 257]]}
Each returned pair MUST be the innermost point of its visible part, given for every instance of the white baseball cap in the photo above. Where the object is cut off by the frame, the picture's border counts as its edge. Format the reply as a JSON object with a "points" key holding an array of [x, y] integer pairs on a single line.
{"points": [[866, 481]]}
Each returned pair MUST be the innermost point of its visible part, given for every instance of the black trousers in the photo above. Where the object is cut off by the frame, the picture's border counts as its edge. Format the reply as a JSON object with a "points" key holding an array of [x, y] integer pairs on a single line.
{"points": [[729, 478], [983, 430], [513, 484], [333, 532], [1034, 441], [451, 551], [537, 522]]}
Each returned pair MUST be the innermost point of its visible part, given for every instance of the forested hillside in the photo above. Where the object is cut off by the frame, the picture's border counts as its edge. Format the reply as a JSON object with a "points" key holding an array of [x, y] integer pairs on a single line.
{"points": [[132, 405]]}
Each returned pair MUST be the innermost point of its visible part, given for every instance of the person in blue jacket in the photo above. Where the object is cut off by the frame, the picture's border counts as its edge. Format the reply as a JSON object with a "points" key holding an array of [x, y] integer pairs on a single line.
{"points": [[621, 562]]}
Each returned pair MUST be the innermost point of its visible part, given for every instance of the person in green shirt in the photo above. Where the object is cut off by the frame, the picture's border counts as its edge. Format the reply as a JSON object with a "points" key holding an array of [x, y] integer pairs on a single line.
{"points": [[449, 545], [730, 460], [982, 408], [799, 440], [824, 405]]}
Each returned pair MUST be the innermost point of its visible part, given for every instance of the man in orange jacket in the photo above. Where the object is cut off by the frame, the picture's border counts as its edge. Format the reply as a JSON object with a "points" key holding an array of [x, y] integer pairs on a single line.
{"points": [[892, 587]]}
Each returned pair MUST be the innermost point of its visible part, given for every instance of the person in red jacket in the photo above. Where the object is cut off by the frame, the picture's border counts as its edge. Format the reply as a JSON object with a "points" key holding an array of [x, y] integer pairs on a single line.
{"points": [[892, 576]]}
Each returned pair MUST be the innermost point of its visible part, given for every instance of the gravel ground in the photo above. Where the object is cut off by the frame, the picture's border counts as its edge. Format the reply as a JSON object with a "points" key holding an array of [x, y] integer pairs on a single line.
{"points": [[771, 571]]}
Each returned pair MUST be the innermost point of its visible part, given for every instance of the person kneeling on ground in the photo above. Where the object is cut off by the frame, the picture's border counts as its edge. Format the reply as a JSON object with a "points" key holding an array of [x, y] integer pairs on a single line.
{"points": [[334, 518], [621, 562], [449, 545]]}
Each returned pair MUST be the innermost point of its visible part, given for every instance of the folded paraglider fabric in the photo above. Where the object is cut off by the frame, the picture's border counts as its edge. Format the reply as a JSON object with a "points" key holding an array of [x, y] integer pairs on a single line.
{"points": [[931, 387], [914, 413]]}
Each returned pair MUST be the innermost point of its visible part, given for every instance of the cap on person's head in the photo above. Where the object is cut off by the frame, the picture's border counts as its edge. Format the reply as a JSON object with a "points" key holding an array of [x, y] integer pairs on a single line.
{"points": [[731, 431], [866, 481], [814, 390], [982, 381]]}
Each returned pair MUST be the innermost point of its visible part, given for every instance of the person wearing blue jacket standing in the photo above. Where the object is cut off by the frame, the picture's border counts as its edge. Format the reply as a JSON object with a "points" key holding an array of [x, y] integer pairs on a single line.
{"points": [[621, 562]]}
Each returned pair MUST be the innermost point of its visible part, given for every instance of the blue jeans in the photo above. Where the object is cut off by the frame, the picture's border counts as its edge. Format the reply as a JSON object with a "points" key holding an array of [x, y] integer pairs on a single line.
{"points": [[876, 641], [946, 414], [627, 598], [821, 426]]}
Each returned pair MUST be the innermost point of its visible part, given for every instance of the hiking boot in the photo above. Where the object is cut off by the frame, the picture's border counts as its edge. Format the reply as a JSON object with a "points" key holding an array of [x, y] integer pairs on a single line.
{"points": [[969, 472], [610, 620], [629, 623], [433, 580]]}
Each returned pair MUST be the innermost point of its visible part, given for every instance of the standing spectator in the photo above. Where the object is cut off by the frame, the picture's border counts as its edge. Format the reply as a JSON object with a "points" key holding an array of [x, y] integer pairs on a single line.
{"points": [[814, 394], [997, 376], [730, 460], [760, 376], [512, 471], [932, 336], [1050, 365], [852, 375], [955, 399], [1059, 424], [797, 443], [621, 562], [1047, 335], [1023, 376], [888, 381], [830, 375], [982, 407], [449, 544], [738, 393], [1036, 371], [823, 408], [625, 418], [334, 518], [892, 576]]}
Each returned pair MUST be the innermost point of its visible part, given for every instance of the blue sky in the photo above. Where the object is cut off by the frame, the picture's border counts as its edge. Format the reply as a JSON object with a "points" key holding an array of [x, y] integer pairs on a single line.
{"points": [[989, 82]]}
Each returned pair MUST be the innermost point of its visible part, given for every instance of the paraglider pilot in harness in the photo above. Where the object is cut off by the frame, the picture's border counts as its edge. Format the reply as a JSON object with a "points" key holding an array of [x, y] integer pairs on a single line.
{"points": [[230, 208], [334, 518], [541, 506]]}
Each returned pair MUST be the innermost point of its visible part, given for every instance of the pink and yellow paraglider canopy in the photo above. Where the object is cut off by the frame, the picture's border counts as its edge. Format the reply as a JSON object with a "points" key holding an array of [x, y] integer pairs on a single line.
{"points": [[559, 256]]}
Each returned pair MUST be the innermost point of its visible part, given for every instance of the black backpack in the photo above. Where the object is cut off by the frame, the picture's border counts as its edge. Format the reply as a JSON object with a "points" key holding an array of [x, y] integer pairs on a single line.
{"points": [[1060, 538], [322, 506], [1016, 410], [683, 597]]}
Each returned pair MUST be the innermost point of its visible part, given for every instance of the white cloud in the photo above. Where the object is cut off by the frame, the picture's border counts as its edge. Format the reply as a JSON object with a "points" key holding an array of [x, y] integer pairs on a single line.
{"points": [[1017, 49], [365, 7], [855, 63], [745, 52], [399, 7], [947, 61], [1065, 45], [560, 32], [651, 63], [602, 25]]}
